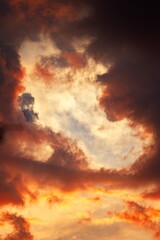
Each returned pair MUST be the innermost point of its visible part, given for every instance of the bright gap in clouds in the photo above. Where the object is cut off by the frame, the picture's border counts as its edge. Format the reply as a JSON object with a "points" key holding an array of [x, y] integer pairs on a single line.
{"points": [[66, 98]]}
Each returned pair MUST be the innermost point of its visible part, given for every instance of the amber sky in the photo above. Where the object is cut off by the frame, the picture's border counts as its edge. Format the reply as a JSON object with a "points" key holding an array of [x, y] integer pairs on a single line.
{"points": [[79, 120]]}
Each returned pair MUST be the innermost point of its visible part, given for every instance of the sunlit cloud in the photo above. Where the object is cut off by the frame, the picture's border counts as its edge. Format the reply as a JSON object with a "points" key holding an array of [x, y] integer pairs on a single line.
{"points": [[65, 109], [79, 120]]}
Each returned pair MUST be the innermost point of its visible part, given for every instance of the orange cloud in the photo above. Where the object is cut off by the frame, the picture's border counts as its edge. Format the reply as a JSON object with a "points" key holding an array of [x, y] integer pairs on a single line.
{"points": [[43, 72], [54, 199], [146, 217], [74, 59], [11, 81], [21, 228], [85, 220], [153, 194], [129, 93], [95, 199], [67, 11]]}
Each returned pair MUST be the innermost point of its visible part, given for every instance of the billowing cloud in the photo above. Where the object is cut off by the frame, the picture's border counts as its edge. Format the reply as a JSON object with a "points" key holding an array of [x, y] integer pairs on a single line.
{"points": [[146, 217], [8, 190], [129, 92], [26, 102], [123, 36], [10, 85], [21, 228]]}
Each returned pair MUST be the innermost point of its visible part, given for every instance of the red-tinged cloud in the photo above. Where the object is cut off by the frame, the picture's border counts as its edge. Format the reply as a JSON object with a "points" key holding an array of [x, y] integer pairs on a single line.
{"points": [[21, 228], [44, 68], [8, 191], [30, 19], [131, 90], [95, 199], [146, 217], [70, 12], [85, 220], [20, 167], [74, 59], [131, 86], [44, 72], [53, 199], [66, 163], [153, 194], [51, 9], [66, 169], [11, 75]]}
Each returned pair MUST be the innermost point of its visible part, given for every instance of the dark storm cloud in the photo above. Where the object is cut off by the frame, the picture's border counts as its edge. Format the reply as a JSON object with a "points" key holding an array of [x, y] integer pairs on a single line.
{"points": [[2, 132], [26, 102], [127, 36], [62, 43], [124, 34], [130, 41], [10, 80]]}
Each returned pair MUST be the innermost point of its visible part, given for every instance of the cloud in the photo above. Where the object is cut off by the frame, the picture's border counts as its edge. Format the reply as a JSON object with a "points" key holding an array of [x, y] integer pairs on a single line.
{"points": [[153, 194], [22, 168], [11, 75], [74, 59], [123, 36], [129, 42], [9, 191], [21, 228], [26, 102], [22, 15], [42, 70], [95, 199], [53, 199], [146, 217]]}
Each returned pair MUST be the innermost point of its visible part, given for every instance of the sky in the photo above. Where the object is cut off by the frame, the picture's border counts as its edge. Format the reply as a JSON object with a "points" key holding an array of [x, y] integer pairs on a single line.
{"points": [[79, 120]]}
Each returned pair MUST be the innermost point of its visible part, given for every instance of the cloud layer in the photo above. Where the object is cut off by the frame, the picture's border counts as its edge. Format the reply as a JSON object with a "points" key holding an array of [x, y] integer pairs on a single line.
{"points": [[125, 36]]}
